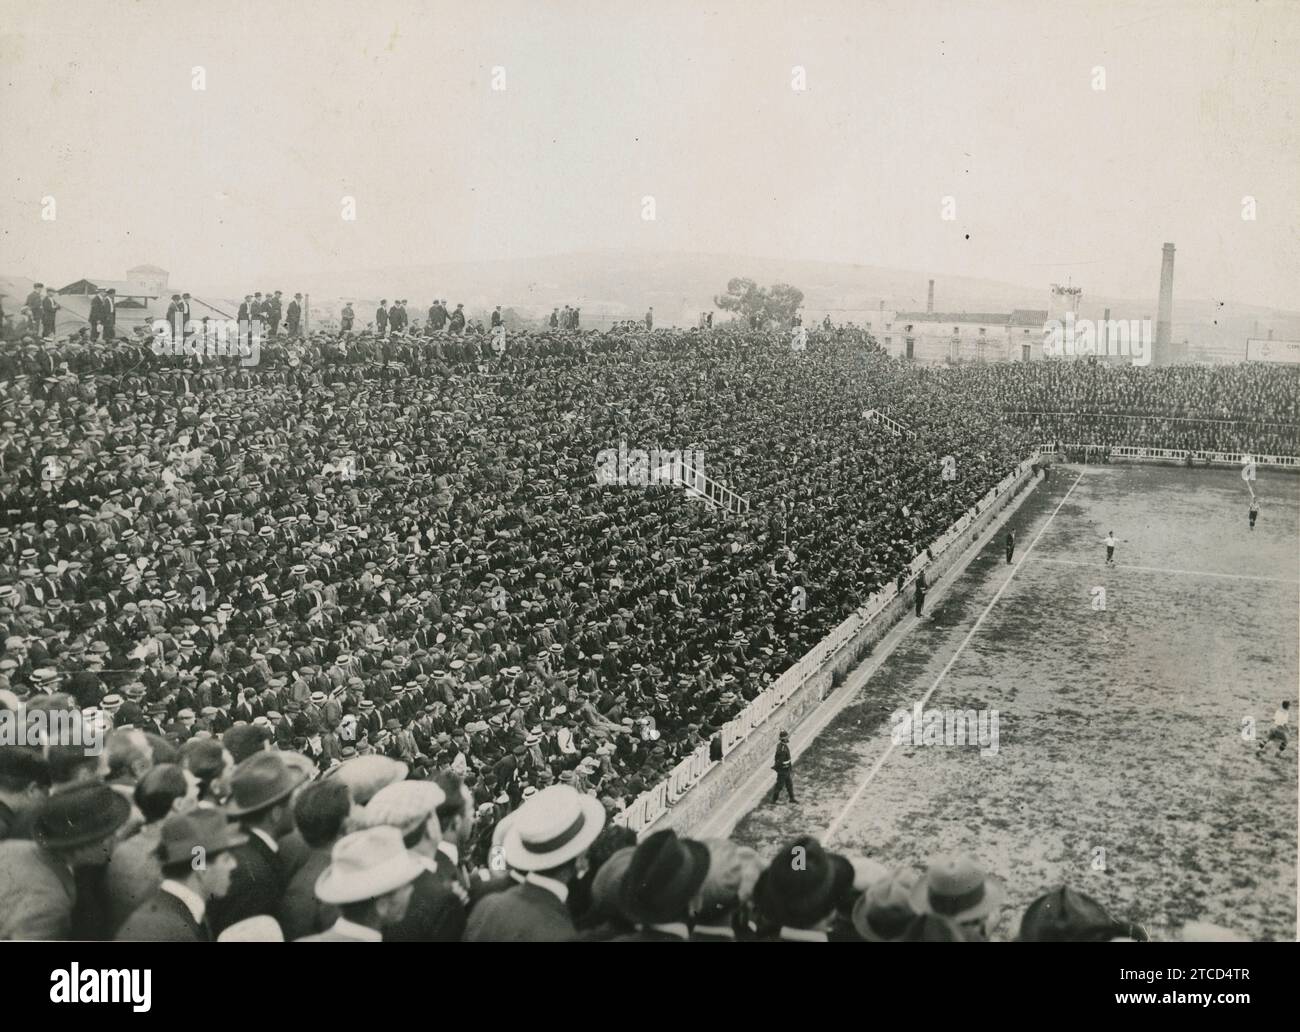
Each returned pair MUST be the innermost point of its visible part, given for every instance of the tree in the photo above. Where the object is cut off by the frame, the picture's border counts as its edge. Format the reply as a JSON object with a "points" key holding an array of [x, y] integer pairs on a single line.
{"points": [[743, 296], [783, 301], [760, 305]]}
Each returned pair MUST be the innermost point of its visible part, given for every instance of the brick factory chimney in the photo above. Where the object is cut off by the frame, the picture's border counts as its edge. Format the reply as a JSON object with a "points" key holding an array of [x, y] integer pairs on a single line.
{"points": [[1165, 313]]}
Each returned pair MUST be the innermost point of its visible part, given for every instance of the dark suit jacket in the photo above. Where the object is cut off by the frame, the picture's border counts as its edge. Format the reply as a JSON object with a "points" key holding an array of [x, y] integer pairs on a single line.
{"points": [[435, 914], [14, 826], [294, 852], [448, 872], [300, 913], [256, 887], [163, 918], [526, 913], [37, 893]]}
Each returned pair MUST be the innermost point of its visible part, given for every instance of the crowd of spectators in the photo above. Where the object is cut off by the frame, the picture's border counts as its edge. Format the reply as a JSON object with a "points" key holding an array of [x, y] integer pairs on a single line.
{"points": [[379, 554], [1249, 407], [368, 852]]}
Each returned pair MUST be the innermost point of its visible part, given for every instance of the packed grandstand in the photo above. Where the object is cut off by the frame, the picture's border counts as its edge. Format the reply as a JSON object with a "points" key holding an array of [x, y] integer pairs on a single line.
{"points": [[391, 559]]}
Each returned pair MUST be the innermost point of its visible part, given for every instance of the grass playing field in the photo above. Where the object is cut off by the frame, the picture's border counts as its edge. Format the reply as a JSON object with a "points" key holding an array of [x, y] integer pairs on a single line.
{"points": [[1123, 763]]}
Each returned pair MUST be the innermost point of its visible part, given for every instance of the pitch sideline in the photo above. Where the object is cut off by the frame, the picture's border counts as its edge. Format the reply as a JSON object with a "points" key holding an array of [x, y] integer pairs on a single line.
{"points": [[833, 828], [723, 819]]}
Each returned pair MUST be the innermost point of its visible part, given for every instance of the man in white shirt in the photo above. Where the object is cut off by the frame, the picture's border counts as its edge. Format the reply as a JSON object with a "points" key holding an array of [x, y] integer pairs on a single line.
{"points": [[1281, 718], [456, 818], [1111, 542]]}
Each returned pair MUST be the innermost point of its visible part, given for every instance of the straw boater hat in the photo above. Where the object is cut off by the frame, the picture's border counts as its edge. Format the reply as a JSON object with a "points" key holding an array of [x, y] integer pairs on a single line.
{"points": [[553, 827], [956, 887], [403, 805], [366, 775], [261, 928], [366, 865]]}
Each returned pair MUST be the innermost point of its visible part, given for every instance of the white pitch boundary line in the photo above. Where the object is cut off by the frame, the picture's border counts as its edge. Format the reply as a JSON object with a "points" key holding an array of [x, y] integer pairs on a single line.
{"points": [[834, 826], [1161, 569], [722, 820]]}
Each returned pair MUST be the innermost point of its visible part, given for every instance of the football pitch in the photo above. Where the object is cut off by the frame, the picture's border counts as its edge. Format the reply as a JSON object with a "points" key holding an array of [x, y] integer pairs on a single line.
{"points": [[1126, 762]]}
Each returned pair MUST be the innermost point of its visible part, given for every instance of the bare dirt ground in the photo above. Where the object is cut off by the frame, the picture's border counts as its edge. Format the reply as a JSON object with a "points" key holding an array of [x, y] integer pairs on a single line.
{"points": [[1124, 764]]}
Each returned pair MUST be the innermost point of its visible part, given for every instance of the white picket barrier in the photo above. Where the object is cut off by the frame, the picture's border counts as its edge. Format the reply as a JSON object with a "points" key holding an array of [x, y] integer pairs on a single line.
{"points": [[1138, 453]]}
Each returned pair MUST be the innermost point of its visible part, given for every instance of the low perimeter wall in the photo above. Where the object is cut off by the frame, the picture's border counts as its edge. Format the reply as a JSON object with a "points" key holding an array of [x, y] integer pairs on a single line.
{"points": [[1173, 456], [698, 786]]}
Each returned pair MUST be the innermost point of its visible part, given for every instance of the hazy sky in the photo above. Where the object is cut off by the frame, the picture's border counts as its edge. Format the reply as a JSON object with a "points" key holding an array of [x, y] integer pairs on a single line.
{"points": [[606, 102]]}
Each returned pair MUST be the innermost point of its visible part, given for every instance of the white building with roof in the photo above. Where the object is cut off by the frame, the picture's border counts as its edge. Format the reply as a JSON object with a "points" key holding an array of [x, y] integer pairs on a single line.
{"points": [[935, 338], [148, 279]]}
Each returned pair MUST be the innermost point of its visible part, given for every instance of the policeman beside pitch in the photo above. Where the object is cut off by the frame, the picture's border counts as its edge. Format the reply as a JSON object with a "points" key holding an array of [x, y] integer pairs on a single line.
{"points": [[783, 767]]}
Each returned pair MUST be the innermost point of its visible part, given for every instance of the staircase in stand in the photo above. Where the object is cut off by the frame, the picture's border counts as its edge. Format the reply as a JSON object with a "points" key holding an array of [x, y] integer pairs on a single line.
{"points": [[880, 419], [700, 487]]}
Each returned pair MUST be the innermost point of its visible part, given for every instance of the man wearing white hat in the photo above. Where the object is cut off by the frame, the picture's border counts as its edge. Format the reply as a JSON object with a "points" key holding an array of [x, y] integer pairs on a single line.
{"points": [[370, 879], [547, 841], [437, 909]]}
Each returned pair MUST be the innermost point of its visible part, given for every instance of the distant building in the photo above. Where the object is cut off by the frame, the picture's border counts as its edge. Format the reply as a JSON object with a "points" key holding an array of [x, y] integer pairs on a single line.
{"points": [[933, 338], [141, 299], [129, 294], [134, 303], [148, 279], [1063, 301]]}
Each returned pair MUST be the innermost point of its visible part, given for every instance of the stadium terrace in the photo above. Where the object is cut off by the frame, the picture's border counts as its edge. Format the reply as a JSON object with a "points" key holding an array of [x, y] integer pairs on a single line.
{"points": [[435, 683]]}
